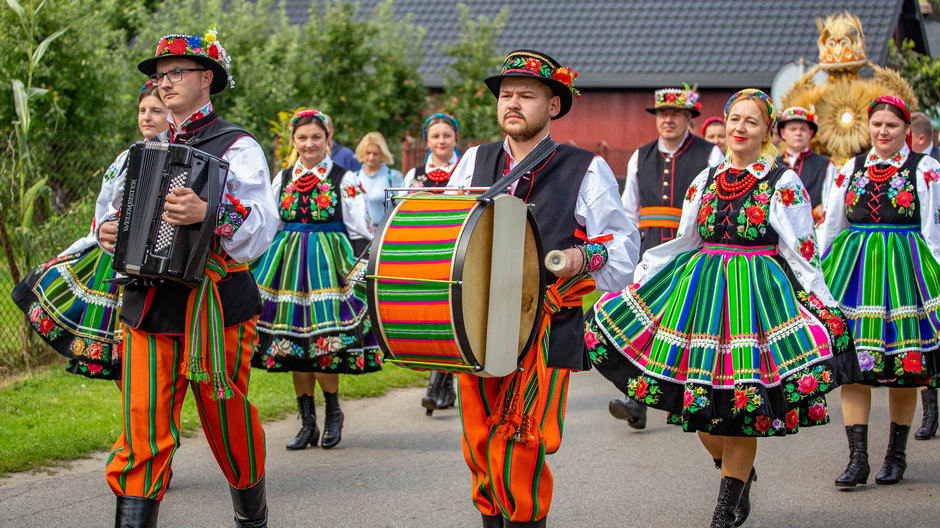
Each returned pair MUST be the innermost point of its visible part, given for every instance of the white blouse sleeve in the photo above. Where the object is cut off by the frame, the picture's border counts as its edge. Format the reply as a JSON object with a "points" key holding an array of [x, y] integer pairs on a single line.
{"points": [[248, 182], [410, 178], [687, 236], [355, 210], [831, 173], [792, 218], [631, 190], [928, 192], [834, 220], [109, 198]]}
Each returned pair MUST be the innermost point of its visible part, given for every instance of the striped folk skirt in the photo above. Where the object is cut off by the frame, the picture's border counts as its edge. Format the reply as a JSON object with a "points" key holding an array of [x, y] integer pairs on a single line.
{"points": [[69, 304], [720, 339], [312, 320], [888, 285]]}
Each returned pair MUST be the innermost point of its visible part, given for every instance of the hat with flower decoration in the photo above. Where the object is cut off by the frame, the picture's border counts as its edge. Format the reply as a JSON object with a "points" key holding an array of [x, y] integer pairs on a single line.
{"points": [[538, 65], [798, 113], [685, 98], [205, 50]]}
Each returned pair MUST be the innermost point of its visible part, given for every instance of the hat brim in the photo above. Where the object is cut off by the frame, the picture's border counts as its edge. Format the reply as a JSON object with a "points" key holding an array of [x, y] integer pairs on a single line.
{"points": [[695, 113], [219, 75], [557, 87], [812, 125]]}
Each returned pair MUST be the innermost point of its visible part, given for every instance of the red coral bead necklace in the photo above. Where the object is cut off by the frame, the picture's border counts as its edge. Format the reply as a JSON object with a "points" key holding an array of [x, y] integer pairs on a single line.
{"points": [[880, 174], [732, 191]]}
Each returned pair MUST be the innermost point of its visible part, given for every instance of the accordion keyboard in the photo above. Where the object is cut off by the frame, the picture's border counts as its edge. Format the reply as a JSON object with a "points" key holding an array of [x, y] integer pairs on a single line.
{"points": [[167, 232]]}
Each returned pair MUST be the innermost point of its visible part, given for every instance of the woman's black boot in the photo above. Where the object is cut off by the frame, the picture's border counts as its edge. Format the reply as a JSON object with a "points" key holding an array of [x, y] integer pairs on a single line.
{"points": [[928, 429], [447, 395], [309, 433], [743, 508], [858, 469], [728, 498], [896, 458], [333, 423], [429, 402]]}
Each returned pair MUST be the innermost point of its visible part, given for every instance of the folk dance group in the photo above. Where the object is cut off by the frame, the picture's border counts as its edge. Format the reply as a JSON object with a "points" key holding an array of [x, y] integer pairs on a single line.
{"points": [[742, 313]]}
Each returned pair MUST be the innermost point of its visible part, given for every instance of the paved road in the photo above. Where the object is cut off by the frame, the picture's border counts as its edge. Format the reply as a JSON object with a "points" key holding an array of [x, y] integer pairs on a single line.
{"points": [[397, 468]]}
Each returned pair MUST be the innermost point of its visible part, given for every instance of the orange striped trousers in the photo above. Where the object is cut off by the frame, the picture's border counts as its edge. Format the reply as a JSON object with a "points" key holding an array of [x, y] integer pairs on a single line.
{"points": [[153, 392], [509, 478]]}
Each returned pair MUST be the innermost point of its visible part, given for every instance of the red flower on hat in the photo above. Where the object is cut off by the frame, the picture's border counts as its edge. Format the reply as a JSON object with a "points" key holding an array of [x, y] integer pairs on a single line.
{"points": [[161, 47], [670, 97], [564, 76], [214, 51], [178, 46], [533, 64]]}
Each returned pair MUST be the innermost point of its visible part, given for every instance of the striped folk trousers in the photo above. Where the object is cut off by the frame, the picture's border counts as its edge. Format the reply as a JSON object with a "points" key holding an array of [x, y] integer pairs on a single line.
{"points": [[509, 478], [153, 392]]}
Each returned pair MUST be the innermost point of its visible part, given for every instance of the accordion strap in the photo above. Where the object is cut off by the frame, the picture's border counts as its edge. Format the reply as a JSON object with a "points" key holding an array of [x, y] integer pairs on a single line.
{"points": [[204, 339]]}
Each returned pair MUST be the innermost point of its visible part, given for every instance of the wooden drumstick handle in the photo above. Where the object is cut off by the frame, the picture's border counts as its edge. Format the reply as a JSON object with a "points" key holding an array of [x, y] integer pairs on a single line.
{"points": [[556, 261]]}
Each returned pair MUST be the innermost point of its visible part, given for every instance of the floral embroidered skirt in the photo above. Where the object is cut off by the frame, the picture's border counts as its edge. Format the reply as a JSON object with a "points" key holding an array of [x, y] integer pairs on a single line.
{"points": [[888, 285], [722, 342], [69, 304], [312, 320]]}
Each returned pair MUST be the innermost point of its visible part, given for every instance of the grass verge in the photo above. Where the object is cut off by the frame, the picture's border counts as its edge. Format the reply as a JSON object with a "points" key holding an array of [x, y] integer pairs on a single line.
{"points": [[53, 417]]}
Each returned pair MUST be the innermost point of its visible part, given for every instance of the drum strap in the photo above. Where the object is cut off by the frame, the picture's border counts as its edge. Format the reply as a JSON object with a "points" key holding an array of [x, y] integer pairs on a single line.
{"points": [[520, 405], [541, 151]]}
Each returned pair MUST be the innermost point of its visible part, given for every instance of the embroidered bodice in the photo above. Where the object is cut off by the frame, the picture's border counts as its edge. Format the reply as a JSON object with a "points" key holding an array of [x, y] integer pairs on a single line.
{"points": [[883, 193]]}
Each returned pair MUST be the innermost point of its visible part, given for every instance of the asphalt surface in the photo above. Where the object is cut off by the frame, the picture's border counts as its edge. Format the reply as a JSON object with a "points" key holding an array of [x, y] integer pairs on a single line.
{"points": [[397, 468]]}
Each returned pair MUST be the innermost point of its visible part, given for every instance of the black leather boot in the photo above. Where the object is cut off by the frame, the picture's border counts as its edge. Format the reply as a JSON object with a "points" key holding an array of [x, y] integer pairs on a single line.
{"points": [[728, 497], [333, 423], [429, 401], [516, 524], [896, 458], [928, 429], [136, 512], [492, 521], [629, 410], [743, 509], [251, 506], [858, 469], [447, 395], [309, 433]]}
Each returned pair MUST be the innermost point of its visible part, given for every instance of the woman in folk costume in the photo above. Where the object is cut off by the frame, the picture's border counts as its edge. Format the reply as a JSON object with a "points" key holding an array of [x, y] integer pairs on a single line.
{"points": [[67, 300], [721, 329], [314, 323], [440, 133], [881, 242]]}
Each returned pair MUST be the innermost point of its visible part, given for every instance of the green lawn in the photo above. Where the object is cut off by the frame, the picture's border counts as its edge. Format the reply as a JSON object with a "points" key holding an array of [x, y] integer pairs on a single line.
{"points": [[53, 417]]}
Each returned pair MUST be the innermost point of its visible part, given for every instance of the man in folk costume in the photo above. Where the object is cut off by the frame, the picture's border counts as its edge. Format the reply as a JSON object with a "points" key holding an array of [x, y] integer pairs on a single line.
{"points": [[203, 338], [658, 176], [797, 126], [574, 198]]}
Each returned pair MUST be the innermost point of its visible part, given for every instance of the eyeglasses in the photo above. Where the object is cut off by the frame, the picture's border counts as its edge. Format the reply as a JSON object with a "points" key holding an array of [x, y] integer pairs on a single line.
{"points": [[174, 76]]}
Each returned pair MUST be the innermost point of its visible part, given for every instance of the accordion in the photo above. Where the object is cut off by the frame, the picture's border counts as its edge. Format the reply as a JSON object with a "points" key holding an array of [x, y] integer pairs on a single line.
{"points": [[148, 247]]}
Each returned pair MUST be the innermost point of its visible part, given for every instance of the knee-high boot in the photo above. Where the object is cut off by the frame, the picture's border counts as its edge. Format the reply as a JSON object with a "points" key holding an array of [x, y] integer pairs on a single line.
{"points": [[251, 506], [333, 423], [136, 512], [858, 469]]}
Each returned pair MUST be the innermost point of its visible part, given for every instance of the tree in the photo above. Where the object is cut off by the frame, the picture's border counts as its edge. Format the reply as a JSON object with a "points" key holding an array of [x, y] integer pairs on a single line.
{"points": [[475, 58], [921, 72]]}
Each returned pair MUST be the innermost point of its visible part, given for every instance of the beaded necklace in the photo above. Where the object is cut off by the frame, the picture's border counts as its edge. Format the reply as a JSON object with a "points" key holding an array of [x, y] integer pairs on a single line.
{"points": [[732, 191], [880, 174]]}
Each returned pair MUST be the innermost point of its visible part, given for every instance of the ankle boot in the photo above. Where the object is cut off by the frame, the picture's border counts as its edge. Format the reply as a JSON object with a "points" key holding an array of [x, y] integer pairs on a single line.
{"points": [[858, 469], [447, 395], [136, 512], [895, 459], [309, 433], [728, 497], [251, 506], [743, 509], [333, 423], [492, 521], [626, 409], [529, 524], [429, 401], [928, 429]]}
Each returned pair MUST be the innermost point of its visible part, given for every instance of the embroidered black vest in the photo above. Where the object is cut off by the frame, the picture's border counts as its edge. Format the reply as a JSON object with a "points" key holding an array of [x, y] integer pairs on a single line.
{"points": [[812, 171], [553, 197], [664, 179], [304, 204], [161, 309], [894, 202], [744, 221], [421, 177]]}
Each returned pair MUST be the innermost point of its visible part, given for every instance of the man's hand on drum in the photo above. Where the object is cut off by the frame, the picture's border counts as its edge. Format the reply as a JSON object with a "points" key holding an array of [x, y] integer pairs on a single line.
{"points": [[107, 235], [575, 263], [183, 207]]}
